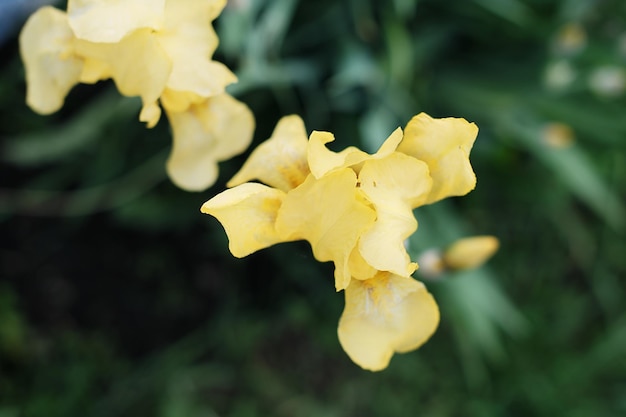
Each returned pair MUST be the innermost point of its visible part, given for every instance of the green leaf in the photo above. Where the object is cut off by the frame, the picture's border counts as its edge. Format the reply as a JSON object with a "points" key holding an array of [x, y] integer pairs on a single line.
{"points": [[64, 141]]}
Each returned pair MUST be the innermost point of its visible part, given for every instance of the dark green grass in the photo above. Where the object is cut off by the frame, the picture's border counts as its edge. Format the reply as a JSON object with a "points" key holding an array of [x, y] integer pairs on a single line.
{"points": [[118, 298]]}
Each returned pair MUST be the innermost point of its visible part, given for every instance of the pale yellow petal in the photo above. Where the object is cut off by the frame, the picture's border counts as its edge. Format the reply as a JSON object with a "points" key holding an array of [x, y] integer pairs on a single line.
{"points": [[280, 161], [394, 185], [51, 67], [382, 246], [232, 123], [150, 114], [383, 315], [470, 252], [189, 40], [322, 160], [359, 268], [247, 213], [215, 130], [390, 144], [95, 70], [329, 215], [444, 144], [179, 101], [108, 21], [138, 64], [215, 8]]}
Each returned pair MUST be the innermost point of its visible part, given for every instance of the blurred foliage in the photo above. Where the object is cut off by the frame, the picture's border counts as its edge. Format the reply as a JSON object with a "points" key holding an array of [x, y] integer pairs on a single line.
{"points": [[118, 298]]}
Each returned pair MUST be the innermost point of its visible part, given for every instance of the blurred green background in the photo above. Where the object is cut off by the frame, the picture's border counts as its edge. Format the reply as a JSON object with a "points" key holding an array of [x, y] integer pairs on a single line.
{"points": [[118, 298]]}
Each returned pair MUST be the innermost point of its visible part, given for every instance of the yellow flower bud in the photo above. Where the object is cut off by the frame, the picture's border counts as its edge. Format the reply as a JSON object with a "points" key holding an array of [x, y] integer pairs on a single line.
{"points": [[471, 252], [558, 135], [571, 39]]}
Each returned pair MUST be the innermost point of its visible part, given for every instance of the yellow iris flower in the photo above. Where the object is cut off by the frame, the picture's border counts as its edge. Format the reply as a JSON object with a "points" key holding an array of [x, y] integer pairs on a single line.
{"points": [[159, 50], [356, 210]]}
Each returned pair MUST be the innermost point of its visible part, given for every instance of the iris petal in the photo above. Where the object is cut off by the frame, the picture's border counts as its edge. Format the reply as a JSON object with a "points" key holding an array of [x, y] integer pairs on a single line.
{"points": [[444, 144], [179, 101], [190, 41], [51, 68], [108, 21], [394, 185], [95, 70], [217, 129], [280, 161], [383, 315], [322, 160], [327, 213], [359, 267], [138, 64], [247, 213]]}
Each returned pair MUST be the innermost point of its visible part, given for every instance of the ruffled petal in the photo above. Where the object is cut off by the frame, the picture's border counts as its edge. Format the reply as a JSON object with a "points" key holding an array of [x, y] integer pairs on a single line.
{"points": [[138, 64], [382, 246], [51, 67], [280, 161], [150, 114], [95, 70], [383, 315], [189, 40], [322, 160], [444, 144], [108, 21], [215, 130], [393, 184], [359, 267], [248, 214], [179, 101], [215, 8], [329, 215]]}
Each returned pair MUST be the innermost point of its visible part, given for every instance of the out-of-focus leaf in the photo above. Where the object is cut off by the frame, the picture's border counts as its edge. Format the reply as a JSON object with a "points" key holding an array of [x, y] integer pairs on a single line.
{"points": [[405, 9], [375, 126], [89, 200], [356, 68], [400, 53], [80, 131], [477, 308], [267, 37], [572, 166], [512, 10]]}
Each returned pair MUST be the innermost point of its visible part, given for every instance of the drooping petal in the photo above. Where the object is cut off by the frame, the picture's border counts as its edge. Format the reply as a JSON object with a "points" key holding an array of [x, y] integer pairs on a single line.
{"points": [[95, 70], [179, 101], [248, 214], [215, 130], [189, 40], [138, 64], [444, 144], [322, 160], [150, 114], [395, 177], [108, 21], [470, 252], [382, 246], [383, 315], [359, 267], [51, 67], [215, 8], [330, 216], [280, 161], [394, 185]]}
